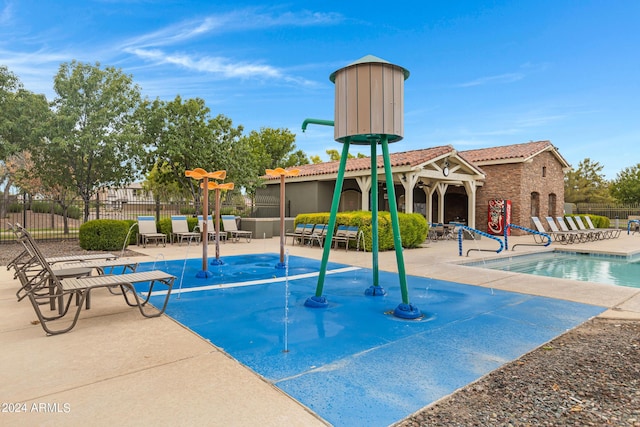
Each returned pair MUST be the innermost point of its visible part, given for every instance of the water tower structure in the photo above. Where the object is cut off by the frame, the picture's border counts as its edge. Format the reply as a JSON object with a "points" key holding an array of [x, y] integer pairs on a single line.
{"points": [[369, 110]]}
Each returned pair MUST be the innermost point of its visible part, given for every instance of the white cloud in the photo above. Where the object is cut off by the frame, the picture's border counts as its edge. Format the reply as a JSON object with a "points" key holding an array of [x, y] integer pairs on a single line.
{"points": [[499, 79], [240, 20], [154, 46], [6, 13]]}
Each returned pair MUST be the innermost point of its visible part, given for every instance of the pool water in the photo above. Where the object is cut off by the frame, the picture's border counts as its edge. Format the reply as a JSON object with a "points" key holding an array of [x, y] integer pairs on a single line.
{"points": [[597, 268], [353, 363]]}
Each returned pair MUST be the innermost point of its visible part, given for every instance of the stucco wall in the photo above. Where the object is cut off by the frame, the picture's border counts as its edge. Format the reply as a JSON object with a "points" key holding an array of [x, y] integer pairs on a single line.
{"points": [[303, 197]]}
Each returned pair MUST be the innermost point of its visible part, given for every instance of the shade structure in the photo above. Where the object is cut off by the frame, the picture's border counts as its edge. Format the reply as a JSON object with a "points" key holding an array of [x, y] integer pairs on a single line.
{"points": [[369, 101]]}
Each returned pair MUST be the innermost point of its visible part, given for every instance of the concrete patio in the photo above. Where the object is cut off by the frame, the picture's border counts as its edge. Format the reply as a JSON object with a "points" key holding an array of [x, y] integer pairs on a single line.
{"points": [[117, 368]]}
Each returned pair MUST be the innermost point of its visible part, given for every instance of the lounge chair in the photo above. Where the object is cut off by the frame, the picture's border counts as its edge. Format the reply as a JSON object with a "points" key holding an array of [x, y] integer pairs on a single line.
{"points": [[540, 228], [50, 286], [230, 227], [296, 235], [598, 234], [611, 233], [345, 234], [589, 235], [580, 237], [148, 232], [211, 229], [563, 237], [180, 230], [307, 231], [316, 234], [63, 267], [321, 236], [24, 258]]}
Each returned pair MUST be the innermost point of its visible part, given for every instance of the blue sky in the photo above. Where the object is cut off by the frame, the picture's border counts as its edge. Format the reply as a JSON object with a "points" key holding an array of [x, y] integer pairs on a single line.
{"points": [[482, 73]]}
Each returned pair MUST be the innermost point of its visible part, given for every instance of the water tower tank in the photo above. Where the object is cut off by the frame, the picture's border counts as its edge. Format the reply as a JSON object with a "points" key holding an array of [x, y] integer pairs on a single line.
{"points": [[369, 101]]}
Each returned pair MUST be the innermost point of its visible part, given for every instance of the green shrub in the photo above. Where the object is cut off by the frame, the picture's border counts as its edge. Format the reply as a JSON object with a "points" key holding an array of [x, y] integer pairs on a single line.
{"points": [[187, 210], [164, 226], [103, 234], [599, 221], [15, 207], [413, 227], [73, 212], [41, 207]]}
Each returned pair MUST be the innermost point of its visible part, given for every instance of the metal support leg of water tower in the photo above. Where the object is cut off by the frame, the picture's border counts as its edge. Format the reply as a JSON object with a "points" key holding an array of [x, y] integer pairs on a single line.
{"points": [[318, 300], [375, 289], [405, 310]]}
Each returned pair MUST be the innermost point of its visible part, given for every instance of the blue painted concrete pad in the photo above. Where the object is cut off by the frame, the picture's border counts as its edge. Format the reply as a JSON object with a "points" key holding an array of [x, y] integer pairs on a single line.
{"points": [[353, 363]]}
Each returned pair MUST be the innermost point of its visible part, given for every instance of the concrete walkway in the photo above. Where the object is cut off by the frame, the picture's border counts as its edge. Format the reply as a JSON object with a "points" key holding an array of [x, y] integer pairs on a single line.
{"points": [[117, 368]]}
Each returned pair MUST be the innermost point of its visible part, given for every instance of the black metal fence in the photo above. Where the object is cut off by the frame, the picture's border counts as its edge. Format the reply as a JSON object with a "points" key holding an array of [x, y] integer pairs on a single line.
{"points": [[49, 220], [614, 212]]}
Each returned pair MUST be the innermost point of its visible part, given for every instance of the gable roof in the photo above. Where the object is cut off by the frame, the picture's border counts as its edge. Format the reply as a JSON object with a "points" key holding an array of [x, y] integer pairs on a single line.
{"points": [[406, 158], [515, 153]]}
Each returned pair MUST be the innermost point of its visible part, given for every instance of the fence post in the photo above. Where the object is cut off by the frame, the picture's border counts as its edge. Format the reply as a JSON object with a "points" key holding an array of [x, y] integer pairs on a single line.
{"points": [[24, 210]]}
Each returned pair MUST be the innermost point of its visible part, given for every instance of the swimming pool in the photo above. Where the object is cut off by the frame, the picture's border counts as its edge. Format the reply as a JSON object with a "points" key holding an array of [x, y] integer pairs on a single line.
{"points": [[352, 363], [587, 267]]}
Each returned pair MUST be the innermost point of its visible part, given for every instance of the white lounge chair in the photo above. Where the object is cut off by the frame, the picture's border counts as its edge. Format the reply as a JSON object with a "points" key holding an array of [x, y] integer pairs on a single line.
{"points": [[611, 233], [180, 230], [211, 229], [148, 232], [229, 225], [558, 235], [580, 237]]}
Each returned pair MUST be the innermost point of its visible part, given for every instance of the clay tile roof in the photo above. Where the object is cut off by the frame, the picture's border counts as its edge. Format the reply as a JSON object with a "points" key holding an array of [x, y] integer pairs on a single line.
{"points": [[405, 158], [506, 152]]}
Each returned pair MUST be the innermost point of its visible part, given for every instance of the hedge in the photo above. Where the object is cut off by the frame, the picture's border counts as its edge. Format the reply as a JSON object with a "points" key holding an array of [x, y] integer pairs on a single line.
{"points": [[103, 235], [599, 221], [413, 227]]}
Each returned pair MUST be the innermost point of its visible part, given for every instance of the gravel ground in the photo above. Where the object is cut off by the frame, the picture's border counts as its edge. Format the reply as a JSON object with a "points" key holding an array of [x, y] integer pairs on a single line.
{"points": [[589, 376]]}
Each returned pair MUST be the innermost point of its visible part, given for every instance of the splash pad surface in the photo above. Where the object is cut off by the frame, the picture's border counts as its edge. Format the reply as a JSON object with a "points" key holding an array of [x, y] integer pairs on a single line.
{"points": [[354, 363]]}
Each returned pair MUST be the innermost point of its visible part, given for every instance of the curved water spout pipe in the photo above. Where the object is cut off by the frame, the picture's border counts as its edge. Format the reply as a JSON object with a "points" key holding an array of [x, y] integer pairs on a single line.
{"points": [[535, 233], [481, 233], [126, 240], [322, 122]]}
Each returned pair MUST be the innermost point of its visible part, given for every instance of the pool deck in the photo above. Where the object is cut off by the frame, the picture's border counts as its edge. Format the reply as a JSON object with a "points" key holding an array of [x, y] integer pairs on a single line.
{"points": [[117, 368]]}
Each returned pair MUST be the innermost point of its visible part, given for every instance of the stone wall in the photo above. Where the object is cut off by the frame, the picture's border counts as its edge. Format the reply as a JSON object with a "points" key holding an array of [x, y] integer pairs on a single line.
{"points": [[516, 182]]}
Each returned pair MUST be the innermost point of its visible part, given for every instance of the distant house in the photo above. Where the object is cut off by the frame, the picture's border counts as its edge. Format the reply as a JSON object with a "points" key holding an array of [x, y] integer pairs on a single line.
{"points": [[441, 183], [115, 198]]}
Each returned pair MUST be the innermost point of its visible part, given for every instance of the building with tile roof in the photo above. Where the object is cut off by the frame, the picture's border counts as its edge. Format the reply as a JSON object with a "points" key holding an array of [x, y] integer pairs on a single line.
{"points": [[441, 183], [531, 175]]}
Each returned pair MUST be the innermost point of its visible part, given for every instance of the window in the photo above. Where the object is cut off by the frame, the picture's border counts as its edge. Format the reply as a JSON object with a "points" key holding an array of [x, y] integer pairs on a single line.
{"points": [[535, 204], [552, 205], [544, 171]]}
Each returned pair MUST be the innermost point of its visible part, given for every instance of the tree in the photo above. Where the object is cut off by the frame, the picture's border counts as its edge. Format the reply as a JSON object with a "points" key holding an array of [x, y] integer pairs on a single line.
{"points": [[626, 187], [270, 149], [22, 114], [276, 148], [185, 137], [586, 184], [95, 139], [334, 155]]}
